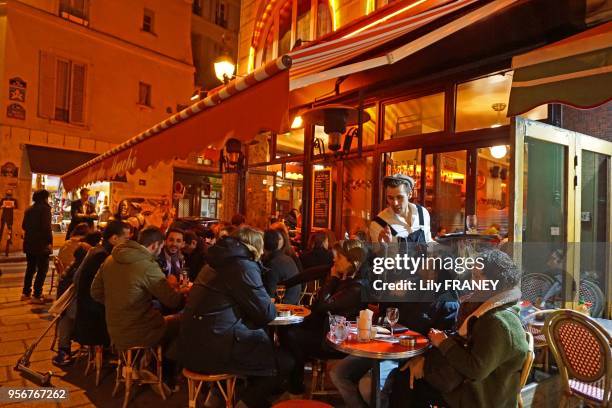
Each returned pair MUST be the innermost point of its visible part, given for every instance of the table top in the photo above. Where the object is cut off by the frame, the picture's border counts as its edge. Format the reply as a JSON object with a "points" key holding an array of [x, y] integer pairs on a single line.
{"points": [[380, 349], [605, 323], [298, 313]]}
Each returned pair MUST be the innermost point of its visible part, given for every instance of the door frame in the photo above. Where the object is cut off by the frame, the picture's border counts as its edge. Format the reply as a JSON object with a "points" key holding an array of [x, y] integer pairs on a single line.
{"points": [[575, 143]]}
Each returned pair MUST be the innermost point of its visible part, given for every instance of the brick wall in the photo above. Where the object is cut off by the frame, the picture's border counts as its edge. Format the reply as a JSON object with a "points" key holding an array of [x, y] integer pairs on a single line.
{"points": [[593, 122]]}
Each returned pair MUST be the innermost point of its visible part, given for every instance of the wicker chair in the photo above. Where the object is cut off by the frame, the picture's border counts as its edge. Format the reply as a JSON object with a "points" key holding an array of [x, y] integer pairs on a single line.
{"points": [[539, 339], [583, 354], [535, 285]]}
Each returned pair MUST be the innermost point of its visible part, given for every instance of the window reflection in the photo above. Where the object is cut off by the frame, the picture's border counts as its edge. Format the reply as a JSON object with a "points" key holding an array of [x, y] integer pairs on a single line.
{"points": [[492, 198], [290, 144], [414, 116], [357, 196]]}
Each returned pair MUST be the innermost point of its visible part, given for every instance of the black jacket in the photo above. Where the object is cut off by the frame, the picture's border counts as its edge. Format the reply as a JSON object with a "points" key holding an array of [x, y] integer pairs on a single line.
{"points": [[68, 275], [223, 325], [90, 322], [281, 267], [195, 261], [317, 257], [37, 226]]}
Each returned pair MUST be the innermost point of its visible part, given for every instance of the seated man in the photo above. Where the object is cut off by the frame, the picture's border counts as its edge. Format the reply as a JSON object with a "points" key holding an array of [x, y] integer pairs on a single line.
{"points": [[66, 252], [280, 268], [193, 253], [126, 284], [170, 259], [480, 365]]}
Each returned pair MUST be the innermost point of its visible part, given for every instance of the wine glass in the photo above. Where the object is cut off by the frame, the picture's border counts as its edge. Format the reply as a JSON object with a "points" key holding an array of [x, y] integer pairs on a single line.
{"points": [[280, 293], [471, 223], [392, 317]]}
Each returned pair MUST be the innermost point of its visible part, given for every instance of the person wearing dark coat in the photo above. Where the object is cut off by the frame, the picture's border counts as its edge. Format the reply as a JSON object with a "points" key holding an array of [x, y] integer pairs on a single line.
{"points": [[339, 295], [37, 245], [90, 323], [280, 267], [224, 324], [81, 211], [194, 253], [318, 252]]}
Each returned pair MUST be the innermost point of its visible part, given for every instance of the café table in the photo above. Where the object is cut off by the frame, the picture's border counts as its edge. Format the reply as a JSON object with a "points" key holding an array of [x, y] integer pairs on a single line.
{"points": [[605, 323], [378, 349], [298, 313]]}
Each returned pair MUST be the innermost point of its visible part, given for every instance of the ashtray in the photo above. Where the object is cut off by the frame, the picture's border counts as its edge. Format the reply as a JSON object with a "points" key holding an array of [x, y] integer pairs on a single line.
{"points": [[407, 341]]}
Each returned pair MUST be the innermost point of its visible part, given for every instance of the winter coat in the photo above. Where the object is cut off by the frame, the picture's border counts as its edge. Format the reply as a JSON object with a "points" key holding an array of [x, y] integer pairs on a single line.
{"points": [[317, 257], [281, 267], [90, 323], [37, 227], [224, 323], [486, 366], [126, 283]]}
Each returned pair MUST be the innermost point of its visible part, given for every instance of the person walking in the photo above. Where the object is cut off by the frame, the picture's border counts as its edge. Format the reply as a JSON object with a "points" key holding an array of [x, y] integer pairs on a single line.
{"points": [[37, 245]]}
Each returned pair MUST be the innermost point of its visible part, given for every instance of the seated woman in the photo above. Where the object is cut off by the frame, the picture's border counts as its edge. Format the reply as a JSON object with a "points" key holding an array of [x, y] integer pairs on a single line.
{"points": [[479, 365], [280, 268], [424, 311], [223, 326], [318, 252], [340, 295]]}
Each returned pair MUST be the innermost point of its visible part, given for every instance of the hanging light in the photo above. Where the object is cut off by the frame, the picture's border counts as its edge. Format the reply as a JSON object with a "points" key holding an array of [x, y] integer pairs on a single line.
{"points": [[231, 158], [297, 122], [224, 68], [499, 152], [334, 119], [498, 107]]}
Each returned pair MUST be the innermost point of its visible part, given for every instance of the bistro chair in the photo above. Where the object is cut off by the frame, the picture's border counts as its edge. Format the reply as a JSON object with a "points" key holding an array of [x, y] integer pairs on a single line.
{"points": [[526, 366], [590, 292], [196, 380], [128, 374], [94, 360], [298, 403], [583, 354], [534, 286], [541, 345]]}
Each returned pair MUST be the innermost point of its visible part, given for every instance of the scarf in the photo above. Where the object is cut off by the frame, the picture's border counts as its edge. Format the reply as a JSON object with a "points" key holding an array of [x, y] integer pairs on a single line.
{"points": [[500, 299]]}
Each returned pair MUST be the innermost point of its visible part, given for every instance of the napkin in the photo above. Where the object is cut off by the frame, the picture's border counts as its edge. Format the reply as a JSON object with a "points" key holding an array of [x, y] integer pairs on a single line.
{"points": [[365, 319]]}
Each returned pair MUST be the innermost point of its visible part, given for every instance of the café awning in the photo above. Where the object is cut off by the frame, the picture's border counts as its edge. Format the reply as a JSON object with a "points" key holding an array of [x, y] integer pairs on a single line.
{"points": [[576, 71], [242, 109], [48, 160], [332, 59]]}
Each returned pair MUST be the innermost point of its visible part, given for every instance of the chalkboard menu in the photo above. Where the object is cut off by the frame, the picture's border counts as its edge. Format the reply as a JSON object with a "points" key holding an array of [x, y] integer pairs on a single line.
{"points": [[321, 198]]}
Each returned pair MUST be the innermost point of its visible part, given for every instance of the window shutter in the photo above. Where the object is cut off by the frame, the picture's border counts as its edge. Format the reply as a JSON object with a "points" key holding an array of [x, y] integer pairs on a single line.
{"points": [[46, 85], [77, 98]]}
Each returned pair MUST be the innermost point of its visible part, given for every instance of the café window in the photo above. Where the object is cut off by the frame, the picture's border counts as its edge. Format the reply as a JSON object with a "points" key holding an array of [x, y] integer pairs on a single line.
{"points": [[369, 128], [357, 196], [492, 195], [290, 144], [291, 21], [414, 116], [483, 103]]}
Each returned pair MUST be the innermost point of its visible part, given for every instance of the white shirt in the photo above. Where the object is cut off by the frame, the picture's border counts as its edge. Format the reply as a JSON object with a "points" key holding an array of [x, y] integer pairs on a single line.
{"points": [[401, 225]]}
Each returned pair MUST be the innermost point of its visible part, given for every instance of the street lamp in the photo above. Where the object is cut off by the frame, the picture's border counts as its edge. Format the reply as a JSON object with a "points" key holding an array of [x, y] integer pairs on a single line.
{"points": [[224, 68], [232, 159]]}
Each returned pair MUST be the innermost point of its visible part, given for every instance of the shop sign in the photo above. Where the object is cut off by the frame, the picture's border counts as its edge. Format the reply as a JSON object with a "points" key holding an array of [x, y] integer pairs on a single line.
{"points": [[321, 214], [17, 89], [15, 111], [9, 169]]}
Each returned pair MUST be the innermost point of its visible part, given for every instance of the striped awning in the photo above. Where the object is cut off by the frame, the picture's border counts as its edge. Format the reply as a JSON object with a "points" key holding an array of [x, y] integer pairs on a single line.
{"points": [[325, 60], [576, 71], [238, 110]]}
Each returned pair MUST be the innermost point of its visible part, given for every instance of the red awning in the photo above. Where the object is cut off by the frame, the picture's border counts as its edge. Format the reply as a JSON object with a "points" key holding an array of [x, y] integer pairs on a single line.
{"points": [[336, 58], [241, 110]]}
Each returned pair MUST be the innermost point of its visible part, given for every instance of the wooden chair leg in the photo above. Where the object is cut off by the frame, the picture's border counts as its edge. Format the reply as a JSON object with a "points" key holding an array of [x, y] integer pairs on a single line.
{"points": [[90, 359], [120, 366], [315, 379], [160, 383], [231, 384], [98, 363], [546, 352], [128, 379], [191, 386]]}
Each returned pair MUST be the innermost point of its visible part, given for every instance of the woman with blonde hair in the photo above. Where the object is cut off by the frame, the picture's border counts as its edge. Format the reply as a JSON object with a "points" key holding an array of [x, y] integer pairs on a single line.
{"points": [[223, 326]]}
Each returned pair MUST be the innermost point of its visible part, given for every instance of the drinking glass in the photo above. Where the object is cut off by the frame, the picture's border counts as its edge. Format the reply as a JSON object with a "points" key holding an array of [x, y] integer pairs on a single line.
{"points": [[341, 331], [184, 278], [280, 292], [471, 223], [392, 317]]}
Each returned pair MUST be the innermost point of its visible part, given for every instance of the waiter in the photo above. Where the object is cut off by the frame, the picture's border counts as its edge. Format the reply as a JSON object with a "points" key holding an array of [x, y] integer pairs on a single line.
{"points": [[81, 211], [8, 204], [401, 221]]}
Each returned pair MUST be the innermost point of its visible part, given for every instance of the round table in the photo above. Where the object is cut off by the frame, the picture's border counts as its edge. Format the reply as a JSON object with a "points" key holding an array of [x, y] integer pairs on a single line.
{"points": [[298, 313], [378, 350]]}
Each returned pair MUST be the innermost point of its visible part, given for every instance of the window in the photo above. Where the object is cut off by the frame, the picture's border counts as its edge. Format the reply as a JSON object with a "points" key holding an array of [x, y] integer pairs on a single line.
{"points": [[148, 21], [414, 116], [144, 94], [61, 94], [292, 20], [75, 10], [221, 13], [483, 103]]}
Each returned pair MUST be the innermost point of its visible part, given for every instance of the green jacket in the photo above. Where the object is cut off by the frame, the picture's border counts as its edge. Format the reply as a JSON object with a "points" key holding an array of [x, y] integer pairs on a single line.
{"points": [[126, 283], [488, 365]]}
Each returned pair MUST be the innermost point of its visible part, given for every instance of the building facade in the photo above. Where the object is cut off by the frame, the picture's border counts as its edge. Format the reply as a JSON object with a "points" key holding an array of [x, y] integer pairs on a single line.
{"points": [[79, 77]]}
